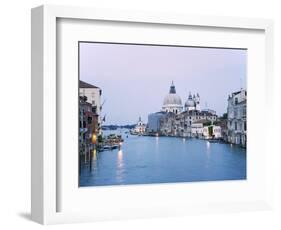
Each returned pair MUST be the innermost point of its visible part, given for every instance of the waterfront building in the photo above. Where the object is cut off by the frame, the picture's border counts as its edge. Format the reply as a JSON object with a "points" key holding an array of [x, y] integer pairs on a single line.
{"points": [[197, 129], [140, 128], [236, 118], [169, 126], [88, 125], [222, 122], [172, 101], [206, 129], [181, 124], [93, 94], [212, 131], [154, 121]]}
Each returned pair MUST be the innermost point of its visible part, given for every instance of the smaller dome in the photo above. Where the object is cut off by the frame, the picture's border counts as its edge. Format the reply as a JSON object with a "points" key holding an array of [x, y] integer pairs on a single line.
{"points": [[190, 102]]}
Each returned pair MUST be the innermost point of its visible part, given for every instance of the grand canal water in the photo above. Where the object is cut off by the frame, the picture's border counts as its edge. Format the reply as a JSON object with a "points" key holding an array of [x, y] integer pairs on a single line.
{"points": [[145, 160]]}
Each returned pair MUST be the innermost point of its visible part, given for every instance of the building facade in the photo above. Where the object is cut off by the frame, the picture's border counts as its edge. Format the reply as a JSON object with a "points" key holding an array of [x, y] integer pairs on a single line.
{"points": [[237, 118], [222, 122], [197, 129], [212, 132], [88, 125], [154, 121], [93, 94], [184, 124]]}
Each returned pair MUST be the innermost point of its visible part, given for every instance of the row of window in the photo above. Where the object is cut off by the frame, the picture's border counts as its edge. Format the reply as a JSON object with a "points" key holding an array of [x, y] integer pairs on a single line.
{"points": [[202, 117], [238, 126], [236, 112], [92, 109], [88, 121]]}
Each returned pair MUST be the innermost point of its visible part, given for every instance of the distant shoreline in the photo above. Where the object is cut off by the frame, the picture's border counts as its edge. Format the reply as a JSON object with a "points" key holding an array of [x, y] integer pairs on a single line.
{"points": [[114, 127]]}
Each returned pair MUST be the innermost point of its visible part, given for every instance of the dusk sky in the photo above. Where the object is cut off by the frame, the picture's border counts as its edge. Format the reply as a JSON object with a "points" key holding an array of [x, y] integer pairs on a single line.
{"points": [[135, 78]]}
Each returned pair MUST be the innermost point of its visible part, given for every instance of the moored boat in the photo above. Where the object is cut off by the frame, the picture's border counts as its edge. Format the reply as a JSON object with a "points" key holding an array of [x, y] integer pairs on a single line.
{"points": [[106, 147]]}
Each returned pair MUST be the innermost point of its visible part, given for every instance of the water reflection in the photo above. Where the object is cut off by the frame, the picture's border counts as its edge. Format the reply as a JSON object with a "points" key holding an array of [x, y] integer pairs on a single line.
{"points": [[208, 146], [208, 153], [93, 160], [120, 158], [120, 166], [94, 154], [157, 142]]}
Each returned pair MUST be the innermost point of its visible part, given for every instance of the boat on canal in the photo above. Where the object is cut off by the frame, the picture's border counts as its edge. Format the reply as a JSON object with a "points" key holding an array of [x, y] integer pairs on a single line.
{"points": [[112, 141], [106, 147]]}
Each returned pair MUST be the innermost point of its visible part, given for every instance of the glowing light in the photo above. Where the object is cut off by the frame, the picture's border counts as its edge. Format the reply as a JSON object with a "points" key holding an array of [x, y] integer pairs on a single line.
{"points": [[183, 139], [94, 138]]}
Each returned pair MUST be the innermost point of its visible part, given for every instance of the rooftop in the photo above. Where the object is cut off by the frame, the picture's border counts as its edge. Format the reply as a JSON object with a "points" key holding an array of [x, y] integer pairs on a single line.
{"points": [[83, 84], [197, 112], [237, 92]]}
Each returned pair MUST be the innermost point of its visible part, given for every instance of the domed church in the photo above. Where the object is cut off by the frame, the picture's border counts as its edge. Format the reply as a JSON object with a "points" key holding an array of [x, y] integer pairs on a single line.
{"points": [[172, 101], [173, 121]]}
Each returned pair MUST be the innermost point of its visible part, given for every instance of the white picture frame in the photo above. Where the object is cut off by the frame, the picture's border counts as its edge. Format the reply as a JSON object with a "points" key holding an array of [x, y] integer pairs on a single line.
{"points": [[46, 183]]}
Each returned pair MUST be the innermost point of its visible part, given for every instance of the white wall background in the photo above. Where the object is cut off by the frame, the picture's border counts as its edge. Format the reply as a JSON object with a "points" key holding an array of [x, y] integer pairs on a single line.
{"points": [[15, 113]]}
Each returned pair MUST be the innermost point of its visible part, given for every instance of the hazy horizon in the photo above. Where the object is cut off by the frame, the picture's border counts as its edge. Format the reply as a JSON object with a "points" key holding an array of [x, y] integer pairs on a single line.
{"points": [[135, 78]]}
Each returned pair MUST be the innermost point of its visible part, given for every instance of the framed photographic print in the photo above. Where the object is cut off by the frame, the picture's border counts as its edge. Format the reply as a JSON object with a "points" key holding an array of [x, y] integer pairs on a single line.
{"points": [[139, 114], [159, 136]]}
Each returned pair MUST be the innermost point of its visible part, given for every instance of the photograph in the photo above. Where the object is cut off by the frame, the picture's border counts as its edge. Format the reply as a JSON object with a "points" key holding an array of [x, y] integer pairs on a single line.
{"points": [[152, 113]]}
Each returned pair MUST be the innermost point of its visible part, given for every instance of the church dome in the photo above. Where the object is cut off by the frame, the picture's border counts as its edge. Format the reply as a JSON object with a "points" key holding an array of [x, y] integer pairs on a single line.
{"points": [[172, 101], [190, 101]]}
